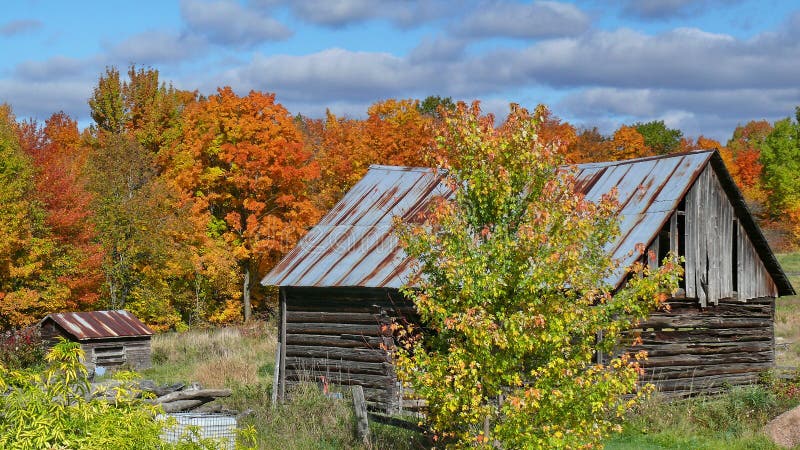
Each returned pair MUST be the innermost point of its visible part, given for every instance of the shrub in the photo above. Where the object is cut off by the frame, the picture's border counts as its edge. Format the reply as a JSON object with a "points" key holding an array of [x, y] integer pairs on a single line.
{"points": [[55, 409], [21, 348]]}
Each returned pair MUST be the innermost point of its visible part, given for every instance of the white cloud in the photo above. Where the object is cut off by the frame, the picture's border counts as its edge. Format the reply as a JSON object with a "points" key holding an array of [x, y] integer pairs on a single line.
{"points": [[437, 49], [535, 20], [330, 75], [712, 112], [227, 22], [40, 99], [340, 13], [55, 68], [679, 58], [158, 46]]}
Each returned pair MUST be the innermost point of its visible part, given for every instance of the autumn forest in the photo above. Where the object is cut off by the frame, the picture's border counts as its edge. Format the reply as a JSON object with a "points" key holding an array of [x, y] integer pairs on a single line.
{"points": [[173, 205]]}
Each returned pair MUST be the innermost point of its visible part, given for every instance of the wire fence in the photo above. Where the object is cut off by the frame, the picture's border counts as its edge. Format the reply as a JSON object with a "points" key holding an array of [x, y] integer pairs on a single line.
{"points": [[219, 427]]}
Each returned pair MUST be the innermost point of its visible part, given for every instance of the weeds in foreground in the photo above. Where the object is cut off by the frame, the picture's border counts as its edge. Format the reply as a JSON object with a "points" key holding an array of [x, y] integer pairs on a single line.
{"points": [[310, 420], [733, 420]]}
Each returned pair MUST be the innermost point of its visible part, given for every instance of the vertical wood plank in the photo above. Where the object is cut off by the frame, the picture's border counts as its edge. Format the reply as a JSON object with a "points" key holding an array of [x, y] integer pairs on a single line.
{"points": [[747, 275], [652, 254], [713, 239], [727, 251], [690, 247], [701, 222], [740, 268], [282, 367], [674, 239]]}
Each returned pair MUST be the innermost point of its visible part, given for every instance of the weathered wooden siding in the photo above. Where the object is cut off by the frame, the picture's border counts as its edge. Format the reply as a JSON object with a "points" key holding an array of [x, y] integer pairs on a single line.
{"points": [[698, 350], [342, 334], [134, 352], [337, 333], [709, 234]]}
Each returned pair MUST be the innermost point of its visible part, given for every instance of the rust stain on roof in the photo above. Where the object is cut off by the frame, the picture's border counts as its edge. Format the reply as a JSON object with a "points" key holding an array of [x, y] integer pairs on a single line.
{"points": [[355, 243], [100, 324]]}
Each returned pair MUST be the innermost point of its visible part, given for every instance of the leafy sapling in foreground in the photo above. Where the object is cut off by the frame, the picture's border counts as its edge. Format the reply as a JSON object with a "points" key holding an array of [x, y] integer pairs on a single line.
{"points": [[512, 297]]}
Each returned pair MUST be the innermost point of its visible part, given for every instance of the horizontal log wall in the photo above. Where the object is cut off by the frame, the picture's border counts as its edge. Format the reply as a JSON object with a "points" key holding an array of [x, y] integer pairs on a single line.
{"points": [[702, 350], [337, 334], [342, 334]]}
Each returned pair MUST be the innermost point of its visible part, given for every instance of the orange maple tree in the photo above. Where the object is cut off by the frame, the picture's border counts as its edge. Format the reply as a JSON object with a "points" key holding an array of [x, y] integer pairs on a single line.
{"points": [[395, 132], [552, 130], [243, 161], [745, 152], [628, 143], [591, 146]]}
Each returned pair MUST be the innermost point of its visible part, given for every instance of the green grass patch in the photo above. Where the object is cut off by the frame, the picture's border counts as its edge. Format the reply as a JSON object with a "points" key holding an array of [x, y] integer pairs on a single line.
{"points": [[732, 420], [787, 315]]}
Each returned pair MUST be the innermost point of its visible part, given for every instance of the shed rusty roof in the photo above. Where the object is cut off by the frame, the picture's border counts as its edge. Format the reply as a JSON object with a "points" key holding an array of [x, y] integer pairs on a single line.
{"points": [[354, 246], [100, 324]]}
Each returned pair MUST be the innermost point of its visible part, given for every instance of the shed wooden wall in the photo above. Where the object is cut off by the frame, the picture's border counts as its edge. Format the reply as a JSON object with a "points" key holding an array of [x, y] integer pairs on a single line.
{"points": [[699, 350], [136, 351], [709, 233], [341, 334]]}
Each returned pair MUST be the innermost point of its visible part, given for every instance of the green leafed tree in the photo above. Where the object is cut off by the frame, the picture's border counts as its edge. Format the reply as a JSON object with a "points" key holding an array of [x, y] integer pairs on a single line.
{"points": [[134, 217], [659, 137], [141, 106], [512, 297], [433, 105], [780, 155]]}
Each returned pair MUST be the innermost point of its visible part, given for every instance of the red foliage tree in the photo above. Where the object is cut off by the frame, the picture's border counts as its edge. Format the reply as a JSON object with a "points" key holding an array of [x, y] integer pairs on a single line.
{"points": [[59, 158]]}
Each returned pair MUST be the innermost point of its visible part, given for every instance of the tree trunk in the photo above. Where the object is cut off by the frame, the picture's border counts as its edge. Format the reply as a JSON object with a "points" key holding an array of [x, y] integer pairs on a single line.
{"points": [[246, 294]]}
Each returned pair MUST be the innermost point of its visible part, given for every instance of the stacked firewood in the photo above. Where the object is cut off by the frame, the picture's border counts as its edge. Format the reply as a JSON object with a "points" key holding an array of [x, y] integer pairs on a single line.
{"points": [[172, 398]]}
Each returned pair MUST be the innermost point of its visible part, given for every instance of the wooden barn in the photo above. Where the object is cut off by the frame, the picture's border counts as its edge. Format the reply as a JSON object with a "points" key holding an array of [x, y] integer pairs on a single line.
{"points": [[340, 284], [109, 338]]}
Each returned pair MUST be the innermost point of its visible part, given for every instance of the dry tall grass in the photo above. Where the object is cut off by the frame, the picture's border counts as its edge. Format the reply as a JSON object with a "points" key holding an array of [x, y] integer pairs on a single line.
{"points": [[223, 357]]}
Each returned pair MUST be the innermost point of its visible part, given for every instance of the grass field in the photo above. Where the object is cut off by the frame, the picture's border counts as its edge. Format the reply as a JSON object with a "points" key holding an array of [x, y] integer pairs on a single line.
{"points": [[730, 421], [787, 315], [242, 358]]}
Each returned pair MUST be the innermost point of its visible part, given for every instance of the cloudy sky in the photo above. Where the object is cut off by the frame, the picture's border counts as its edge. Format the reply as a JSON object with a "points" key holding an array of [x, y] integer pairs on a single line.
{"points": [[701, 65]]}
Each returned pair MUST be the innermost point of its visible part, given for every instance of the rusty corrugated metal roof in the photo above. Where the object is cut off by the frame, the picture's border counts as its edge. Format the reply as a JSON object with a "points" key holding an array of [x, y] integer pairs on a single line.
{"points": [[100, 324], [354, 244]]}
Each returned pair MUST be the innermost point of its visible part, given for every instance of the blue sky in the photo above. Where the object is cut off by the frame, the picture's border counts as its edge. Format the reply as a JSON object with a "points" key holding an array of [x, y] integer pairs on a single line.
{"points": [[703, 66]]}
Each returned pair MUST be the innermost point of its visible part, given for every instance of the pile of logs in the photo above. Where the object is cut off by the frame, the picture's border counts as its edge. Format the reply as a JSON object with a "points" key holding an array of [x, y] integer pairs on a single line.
{"points": [[173, 398]]}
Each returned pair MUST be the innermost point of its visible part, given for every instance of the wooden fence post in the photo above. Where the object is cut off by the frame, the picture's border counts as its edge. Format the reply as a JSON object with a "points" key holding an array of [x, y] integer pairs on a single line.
{"points": [[360, 406]]}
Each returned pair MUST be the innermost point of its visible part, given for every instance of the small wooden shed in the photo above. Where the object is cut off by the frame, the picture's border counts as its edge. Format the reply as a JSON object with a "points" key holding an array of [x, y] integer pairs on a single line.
{"points": [[339, 286], [109, 338]]}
